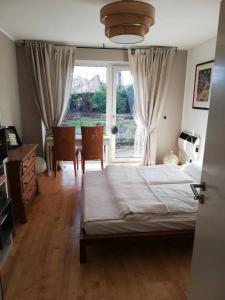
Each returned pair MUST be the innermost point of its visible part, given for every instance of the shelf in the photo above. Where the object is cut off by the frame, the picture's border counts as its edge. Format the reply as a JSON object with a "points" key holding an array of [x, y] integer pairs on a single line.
{"points": [[2, 179], [3, 218], [4, 203], [6, 235]]}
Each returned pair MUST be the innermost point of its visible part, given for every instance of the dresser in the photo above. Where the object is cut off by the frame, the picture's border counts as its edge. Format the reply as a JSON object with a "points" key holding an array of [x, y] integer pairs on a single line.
{"points": [[22, 178]]}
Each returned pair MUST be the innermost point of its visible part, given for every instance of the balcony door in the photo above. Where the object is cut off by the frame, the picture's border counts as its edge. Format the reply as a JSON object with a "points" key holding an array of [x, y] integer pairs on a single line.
{"points": [[123, 121]]}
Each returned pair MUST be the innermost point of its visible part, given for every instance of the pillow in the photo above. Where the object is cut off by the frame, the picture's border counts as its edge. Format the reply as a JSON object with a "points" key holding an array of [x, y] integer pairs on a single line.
{"points": [[194, 170]]}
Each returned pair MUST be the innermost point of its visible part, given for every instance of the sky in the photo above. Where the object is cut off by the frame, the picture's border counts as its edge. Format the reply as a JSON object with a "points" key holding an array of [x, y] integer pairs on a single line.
{"points": [[89, 72]]}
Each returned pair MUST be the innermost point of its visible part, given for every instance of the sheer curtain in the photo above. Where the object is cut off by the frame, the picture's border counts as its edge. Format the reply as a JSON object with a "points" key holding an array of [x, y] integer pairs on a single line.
{"points": [[51, 70], [151, 69]]}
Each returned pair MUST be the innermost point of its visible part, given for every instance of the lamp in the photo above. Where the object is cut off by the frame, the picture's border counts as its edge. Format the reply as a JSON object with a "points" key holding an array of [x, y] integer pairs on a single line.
{"points": [[127, 21]]}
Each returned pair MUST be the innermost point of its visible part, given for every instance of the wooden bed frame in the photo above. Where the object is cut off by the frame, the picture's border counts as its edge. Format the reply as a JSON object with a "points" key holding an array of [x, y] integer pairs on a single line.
{"points": [[86, 239]]}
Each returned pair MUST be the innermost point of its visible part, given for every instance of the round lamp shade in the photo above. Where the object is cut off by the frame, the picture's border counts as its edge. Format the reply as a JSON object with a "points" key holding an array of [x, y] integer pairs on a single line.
{"points": [[127, 22], [127, 39]]}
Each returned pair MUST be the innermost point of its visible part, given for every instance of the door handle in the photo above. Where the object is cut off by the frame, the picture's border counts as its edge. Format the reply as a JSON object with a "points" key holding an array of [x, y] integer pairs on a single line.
{"points": [[202, 187], [114, 130]]}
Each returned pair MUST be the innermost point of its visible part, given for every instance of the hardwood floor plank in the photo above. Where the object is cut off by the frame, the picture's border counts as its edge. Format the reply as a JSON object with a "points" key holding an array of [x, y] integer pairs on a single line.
{"points": [[43, 263]]}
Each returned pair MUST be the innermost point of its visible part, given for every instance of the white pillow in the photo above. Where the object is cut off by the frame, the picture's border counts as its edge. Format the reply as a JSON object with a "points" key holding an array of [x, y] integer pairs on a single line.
{"points": [[194, 170], [40, 165]]}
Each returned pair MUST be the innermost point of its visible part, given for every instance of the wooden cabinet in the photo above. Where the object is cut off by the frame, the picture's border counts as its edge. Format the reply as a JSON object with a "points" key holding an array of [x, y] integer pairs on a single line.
{"points": [[22, 177]]}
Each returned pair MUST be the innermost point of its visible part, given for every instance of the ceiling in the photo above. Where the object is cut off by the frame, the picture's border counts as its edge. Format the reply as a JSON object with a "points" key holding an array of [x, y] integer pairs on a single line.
{"points": [[181, 23]]}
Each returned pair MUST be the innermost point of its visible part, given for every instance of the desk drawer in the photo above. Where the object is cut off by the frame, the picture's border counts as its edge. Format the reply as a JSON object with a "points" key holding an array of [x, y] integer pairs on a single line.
{"points": [[28, 162]]}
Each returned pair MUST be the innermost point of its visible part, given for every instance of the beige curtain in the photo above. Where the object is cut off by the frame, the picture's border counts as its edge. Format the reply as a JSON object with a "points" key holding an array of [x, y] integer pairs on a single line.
{"points": [[151, 69], [51, 70]]}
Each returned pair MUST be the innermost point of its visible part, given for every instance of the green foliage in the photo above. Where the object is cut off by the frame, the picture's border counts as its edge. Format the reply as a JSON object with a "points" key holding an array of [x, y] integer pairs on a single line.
{"points": [[74, 100], [99, 105], [125, 100], [124, 105]]}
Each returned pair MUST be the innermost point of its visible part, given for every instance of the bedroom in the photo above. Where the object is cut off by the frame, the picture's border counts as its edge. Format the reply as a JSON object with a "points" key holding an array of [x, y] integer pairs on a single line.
{"points": [[42, 262]]}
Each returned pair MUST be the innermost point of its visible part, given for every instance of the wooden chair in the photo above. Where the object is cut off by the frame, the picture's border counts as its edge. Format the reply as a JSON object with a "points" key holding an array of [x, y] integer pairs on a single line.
{"points": [[64, 148], [92, 144]]}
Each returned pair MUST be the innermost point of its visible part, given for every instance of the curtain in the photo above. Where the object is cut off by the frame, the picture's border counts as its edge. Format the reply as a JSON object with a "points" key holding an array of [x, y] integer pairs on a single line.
{"points": [[151, 69], [51, 71]]}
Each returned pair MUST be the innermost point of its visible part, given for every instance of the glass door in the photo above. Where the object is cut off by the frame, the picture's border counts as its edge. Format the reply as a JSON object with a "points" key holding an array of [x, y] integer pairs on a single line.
{"points": [[123, 121], [87, 102]]}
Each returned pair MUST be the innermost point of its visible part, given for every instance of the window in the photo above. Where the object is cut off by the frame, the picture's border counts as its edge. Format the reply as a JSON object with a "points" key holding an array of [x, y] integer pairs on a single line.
{"points": [[87, 103], [98, 100]]}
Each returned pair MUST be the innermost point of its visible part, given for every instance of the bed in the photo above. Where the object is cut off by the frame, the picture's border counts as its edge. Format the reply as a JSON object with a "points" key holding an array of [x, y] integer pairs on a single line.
{"points": [[134, 203]]}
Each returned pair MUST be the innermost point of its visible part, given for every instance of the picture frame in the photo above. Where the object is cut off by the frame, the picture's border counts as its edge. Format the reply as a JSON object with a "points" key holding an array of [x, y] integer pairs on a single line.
{"points": [[13, 138], [203, 85]]}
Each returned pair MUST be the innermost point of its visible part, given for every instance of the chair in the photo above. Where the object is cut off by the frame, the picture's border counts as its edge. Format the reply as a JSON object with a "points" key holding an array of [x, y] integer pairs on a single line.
{"points": [[92, 144], [64, 148]]}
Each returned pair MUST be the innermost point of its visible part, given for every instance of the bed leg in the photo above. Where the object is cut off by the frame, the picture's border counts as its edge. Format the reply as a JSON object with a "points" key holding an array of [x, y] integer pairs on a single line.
{"points": [[83, 253]]}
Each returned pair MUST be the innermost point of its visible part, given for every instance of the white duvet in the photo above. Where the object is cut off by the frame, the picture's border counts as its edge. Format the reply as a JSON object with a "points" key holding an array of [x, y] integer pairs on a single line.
{"points": [[133, 190]]}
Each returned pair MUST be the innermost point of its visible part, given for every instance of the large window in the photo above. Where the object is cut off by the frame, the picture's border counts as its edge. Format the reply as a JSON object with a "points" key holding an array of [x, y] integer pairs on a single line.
{"points": [[87, 103], [98, 100]]}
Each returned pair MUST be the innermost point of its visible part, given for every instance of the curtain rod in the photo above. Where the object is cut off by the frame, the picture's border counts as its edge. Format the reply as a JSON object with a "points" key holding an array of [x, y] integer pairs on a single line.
{"points": [[132, 48], [22, 43]]}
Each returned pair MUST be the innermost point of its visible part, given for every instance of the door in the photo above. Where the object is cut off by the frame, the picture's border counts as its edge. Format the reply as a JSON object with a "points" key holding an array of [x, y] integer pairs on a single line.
{"points": [[208, 263], [123, 116]]}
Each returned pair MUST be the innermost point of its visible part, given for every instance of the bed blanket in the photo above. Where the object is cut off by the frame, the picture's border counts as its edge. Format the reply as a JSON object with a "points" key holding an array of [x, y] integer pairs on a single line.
{"points": [[159, 189], [121, 199], [157, 174]]}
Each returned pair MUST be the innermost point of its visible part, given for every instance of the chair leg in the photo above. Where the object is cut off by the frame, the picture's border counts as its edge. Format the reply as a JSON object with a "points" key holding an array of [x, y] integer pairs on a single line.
{"points": [[55, 164], [75, 167], [83, 165], [77, 160], [102, 164]]}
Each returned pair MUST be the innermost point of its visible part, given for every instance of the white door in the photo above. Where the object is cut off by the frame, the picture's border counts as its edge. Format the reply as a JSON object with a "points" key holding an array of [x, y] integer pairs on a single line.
{"points": [[208, 264]]}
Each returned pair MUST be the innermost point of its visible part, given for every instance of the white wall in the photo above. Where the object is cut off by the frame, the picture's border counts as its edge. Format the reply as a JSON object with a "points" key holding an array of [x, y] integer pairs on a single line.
{"points": [[9, 91], [168, 129], [195, 119]]}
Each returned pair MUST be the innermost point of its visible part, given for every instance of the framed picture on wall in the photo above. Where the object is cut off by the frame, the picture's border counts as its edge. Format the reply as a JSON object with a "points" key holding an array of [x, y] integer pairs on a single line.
{"points": [[203, 84], [13, 138]]}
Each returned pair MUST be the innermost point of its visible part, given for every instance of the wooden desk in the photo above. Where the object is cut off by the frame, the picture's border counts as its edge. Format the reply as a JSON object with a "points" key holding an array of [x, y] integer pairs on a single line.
{"points": [[22, 178], [50, 144]]}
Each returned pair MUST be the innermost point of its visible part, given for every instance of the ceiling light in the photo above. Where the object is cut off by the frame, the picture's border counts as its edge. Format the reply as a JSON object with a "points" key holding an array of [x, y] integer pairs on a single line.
{"points": [[127, 21]]}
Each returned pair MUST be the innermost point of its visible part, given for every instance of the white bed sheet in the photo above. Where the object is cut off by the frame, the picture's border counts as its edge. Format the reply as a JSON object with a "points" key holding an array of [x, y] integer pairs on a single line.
{"points": [[129, 226], [102, 215]]}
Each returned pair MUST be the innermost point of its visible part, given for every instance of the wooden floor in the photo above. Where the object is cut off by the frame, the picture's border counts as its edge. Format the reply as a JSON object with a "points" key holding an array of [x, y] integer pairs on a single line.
{"points": [[44, 260]]}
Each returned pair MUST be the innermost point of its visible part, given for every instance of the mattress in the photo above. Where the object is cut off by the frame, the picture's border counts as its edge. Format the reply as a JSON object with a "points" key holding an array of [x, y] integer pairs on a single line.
{"points": [[98, 198]]}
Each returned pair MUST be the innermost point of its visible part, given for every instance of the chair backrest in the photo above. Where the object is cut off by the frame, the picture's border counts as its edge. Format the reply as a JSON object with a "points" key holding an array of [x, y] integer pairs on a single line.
{"points": [[64, 143], [92, 142]]}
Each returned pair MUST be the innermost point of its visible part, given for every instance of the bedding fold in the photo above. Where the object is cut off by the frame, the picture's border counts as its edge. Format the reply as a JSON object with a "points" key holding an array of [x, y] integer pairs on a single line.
{"points": [[150, 190]]}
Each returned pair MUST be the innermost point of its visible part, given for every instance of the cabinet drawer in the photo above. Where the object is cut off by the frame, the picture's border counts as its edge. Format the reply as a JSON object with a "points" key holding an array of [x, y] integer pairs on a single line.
{"points": [[28, 162], [28, 176], [30, 190]]}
